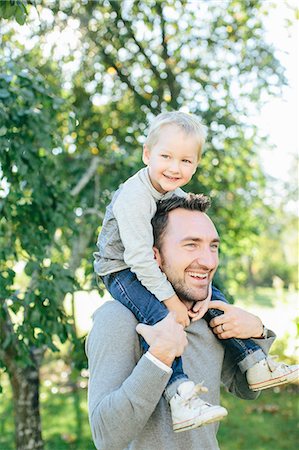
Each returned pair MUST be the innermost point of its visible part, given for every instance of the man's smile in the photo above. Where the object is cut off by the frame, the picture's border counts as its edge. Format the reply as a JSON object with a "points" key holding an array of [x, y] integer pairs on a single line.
{"points": [[201, 276]]}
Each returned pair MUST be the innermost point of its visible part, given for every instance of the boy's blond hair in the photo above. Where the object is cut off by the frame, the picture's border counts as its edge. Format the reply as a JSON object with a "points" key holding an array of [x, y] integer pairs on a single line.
{"points": [[189, 123]]}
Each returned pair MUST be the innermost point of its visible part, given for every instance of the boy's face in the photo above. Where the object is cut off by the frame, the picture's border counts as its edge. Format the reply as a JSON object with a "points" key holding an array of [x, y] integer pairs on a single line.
{"points": [[172, 160]]}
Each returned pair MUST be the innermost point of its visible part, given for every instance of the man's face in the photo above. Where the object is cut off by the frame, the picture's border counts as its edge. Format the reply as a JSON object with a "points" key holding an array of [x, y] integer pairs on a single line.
{"points": [[189, 253]]}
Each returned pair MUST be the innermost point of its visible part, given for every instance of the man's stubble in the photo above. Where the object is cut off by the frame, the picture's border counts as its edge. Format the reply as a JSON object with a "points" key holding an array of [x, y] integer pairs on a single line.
{"points": [[185, 294]]}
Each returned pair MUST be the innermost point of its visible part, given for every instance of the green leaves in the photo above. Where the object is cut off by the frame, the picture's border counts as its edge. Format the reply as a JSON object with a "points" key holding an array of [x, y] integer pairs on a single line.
{"points": [[14, 9], [6, 280], [4, 93], [36, 207]]}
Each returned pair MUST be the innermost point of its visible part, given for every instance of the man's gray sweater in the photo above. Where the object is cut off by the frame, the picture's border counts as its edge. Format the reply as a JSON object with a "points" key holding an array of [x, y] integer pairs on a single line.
{"points": [[126, 406]]}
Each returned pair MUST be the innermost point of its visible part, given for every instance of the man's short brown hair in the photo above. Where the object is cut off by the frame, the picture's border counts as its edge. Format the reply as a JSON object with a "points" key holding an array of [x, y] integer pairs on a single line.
{"points": [[192, 202]]}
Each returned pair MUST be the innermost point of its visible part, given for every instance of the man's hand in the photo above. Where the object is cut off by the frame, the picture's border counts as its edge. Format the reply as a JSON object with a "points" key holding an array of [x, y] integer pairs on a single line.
{"points": [[200, 308], [167, 339], [175, 305], [235, 322]]}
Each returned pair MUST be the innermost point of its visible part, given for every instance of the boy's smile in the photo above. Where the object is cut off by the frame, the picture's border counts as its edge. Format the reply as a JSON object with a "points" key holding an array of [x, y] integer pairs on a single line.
{"points": [[172, 160]]}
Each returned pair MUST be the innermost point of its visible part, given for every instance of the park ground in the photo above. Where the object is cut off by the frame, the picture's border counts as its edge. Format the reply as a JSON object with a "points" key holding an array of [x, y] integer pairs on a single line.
{"points": [[271, 422]]}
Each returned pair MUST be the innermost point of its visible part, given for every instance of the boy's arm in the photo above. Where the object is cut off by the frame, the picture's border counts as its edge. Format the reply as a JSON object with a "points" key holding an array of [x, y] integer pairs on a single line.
{"points": [[123, 389], [133, 211], [175, 305]]}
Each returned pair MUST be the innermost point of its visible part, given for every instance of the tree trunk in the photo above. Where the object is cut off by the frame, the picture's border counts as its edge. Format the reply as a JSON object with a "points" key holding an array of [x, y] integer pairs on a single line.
{"points": [[25, 387]]}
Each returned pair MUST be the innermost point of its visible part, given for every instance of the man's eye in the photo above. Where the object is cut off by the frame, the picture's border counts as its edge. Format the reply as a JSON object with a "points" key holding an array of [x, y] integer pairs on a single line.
{"points": [[190, 245], [215, 246]]}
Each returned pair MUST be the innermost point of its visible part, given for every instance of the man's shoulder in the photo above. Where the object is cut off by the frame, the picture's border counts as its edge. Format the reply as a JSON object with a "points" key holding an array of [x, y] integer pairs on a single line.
{"points": [[113, 324], [112, 316], [111, 309]]}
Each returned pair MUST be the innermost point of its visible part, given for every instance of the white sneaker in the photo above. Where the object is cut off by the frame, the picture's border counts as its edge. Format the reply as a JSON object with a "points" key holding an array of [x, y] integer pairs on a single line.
{"points": [[268, 373], [189, 411]]}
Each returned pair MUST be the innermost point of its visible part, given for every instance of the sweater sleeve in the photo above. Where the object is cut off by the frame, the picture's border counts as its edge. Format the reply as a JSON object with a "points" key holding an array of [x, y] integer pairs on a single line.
{"points": [[133, 211], [234, 380], [123, 389]]}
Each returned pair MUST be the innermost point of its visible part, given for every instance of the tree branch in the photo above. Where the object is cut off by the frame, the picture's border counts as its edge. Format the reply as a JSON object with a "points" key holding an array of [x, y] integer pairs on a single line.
{"points": [[116, 7], [174, 87], [125, 79], [87, 175], [9, 354]]}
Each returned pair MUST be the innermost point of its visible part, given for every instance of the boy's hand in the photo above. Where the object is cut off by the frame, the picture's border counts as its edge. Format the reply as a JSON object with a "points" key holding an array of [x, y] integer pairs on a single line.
{"points": [[175, 305], [200, 308]]}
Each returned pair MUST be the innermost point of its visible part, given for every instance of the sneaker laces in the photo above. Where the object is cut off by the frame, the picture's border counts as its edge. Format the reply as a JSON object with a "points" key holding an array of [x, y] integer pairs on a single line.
{"points": [[273, 365], [194, 399]]}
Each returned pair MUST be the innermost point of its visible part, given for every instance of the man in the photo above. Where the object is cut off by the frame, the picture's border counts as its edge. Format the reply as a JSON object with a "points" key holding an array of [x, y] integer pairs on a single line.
{"points": [[126, 406]]}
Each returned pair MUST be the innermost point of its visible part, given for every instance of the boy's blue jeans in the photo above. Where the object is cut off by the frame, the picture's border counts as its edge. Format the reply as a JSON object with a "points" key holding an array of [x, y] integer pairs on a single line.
{"points": [[127, 289]]}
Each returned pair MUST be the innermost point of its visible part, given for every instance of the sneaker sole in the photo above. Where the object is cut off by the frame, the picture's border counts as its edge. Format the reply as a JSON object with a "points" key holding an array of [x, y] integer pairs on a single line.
{"points": [[275, 381], [210, 417]]}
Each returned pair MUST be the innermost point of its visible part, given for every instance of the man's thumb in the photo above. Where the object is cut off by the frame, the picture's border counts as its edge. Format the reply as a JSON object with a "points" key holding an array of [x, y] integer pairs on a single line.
{"points": [[218, 304], [141, 328]]}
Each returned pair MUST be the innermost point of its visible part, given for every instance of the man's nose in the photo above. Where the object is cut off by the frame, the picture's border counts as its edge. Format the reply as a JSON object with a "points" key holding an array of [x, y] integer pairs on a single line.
{"points": [[206, 259]]}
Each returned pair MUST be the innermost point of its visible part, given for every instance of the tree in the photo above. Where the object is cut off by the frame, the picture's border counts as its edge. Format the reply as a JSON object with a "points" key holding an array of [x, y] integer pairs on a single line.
{"points": [[35, 207], [136, 59], [72, 126], [14, 9]]}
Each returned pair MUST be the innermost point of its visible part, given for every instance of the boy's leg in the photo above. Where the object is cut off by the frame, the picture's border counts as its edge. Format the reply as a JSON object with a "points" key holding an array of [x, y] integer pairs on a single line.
{"points": [[245, 351], [127, 289], [261, 371]]}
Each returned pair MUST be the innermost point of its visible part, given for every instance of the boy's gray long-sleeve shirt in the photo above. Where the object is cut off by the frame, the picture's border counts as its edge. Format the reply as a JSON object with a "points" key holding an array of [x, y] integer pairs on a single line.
{"points": [[126, 239], [126, 406]]}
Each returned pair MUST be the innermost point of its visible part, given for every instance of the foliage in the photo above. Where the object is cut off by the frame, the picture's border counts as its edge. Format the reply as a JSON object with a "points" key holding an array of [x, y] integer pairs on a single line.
{"points": [[35, 208], [15, 9], [136, 59]]}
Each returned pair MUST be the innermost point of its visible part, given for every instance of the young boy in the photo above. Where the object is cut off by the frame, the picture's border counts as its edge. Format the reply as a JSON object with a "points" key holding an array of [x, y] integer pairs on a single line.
{"points": [[125, 261]]}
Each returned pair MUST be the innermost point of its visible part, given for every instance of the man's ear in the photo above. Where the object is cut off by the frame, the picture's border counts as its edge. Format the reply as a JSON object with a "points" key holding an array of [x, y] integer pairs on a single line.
{"points": [[145, 154], [157, 256]]}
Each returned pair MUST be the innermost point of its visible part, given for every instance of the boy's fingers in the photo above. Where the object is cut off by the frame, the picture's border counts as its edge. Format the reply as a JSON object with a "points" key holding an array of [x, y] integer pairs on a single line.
{"points": [[200, 305]]}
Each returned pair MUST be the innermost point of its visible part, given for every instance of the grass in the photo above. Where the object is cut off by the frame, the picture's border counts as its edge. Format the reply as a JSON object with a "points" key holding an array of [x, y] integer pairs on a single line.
{"points": [[64, 419], [271, 422]]}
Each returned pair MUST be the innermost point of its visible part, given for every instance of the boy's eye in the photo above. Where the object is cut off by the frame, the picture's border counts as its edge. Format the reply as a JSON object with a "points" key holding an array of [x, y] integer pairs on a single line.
{"points": [[165, 156], [187, 161]]}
